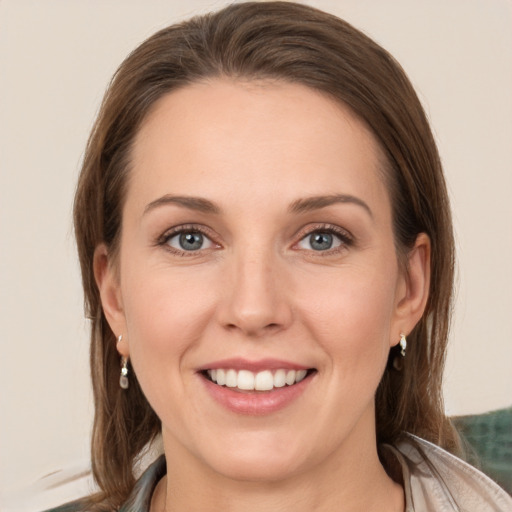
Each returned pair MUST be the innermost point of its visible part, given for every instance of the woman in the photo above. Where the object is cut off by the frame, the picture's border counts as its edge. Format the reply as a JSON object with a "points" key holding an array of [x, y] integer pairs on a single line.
{"points": [[267, 258]]}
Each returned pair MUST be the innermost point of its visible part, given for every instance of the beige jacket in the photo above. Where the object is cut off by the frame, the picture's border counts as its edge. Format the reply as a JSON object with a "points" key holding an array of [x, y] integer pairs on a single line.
{"points": [[436, 481]]}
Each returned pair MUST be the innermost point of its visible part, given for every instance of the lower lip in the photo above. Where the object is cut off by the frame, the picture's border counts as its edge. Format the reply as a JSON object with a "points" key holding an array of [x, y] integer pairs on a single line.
{"points": [[257, 403]]}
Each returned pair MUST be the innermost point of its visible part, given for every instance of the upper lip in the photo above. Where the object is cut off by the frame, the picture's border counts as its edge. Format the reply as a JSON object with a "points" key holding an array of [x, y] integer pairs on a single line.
{"points": [[259, 365]]}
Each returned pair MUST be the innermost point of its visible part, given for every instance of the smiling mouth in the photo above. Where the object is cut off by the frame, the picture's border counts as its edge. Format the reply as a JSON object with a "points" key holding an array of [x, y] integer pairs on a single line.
{"points": [[266, 380]]}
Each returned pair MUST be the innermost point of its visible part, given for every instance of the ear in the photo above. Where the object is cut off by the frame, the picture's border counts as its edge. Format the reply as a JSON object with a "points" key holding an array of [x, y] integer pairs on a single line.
{"points": [[107, 280], [413, 288]]}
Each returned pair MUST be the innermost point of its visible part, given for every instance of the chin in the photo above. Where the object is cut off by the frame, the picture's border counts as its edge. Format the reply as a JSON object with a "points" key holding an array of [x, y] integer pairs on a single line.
{"points": [[257, 470], [257, 462]]}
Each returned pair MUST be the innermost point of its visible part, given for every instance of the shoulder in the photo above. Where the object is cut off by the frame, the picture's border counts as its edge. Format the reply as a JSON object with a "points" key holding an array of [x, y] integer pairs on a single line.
{"points": [[139, 499], [437, 480]]}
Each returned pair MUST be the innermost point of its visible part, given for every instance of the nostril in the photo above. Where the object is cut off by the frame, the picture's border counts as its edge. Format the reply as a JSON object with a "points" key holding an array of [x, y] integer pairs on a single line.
{"points": [[266, 328]]}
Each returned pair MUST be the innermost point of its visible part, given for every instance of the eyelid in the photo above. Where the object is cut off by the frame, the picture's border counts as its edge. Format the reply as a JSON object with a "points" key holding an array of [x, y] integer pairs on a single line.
{"points": [[344, 235], [164, 238]]}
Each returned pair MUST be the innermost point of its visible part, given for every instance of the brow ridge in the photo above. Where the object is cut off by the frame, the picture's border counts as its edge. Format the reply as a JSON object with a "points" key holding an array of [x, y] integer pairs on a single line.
{"points": [[302, 205], [307, 204], [192, 203]]}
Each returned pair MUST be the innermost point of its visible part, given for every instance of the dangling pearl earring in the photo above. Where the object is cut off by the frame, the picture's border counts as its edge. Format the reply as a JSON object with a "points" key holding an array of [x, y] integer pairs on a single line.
{"points": [[403, 344], [123, 379], [398, 363]]}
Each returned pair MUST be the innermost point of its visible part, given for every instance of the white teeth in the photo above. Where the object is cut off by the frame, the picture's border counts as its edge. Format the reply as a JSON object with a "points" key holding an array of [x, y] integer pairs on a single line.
{"points": [[245, 380], [231, 379], [221, 377], [300, 375], [290, 377], [262, 381], [279, 378]]}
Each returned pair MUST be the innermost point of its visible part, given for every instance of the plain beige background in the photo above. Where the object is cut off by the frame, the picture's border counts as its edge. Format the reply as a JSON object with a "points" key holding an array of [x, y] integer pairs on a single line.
{"points": [[56, 58]]}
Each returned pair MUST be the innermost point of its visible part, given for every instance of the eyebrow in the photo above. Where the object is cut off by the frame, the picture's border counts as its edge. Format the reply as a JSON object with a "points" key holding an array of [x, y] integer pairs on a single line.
{"points": [[303, 205], [192, 203], [317, 202]]}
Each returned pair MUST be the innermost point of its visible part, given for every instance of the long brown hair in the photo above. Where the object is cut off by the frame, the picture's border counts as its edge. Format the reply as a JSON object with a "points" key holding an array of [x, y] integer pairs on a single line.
{"points": [[295, 43]]}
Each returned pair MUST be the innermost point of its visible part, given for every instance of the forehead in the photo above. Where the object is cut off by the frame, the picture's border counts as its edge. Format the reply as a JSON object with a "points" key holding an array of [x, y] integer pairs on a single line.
{"points": [[226, 134]]}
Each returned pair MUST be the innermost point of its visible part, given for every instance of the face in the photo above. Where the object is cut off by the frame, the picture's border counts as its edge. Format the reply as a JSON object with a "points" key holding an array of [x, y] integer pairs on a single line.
{"points": [[257, 286]]}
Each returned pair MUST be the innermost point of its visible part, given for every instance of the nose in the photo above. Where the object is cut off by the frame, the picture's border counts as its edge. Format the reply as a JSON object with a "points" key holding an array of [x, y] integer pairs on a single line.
{"points": [[256, 296]]}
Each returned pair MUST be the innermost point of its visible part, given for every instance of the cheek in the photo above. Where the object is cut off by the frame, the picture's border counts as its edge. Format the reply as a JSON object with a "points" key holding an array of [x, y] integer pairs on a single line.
{"points": [[166, 313], [351, 316], [166, 316]]}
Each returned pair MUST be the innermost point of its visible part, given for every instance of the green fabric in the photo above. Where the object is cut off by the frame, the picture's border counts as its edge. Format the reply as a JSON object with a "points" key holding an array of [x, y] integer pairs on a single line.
{"points": [[489, 443]]}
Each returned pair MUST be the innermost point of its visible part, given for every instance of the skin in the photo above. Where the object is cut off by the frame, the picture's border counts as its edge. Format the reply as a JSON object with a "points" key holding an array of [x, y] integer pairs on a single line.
{"points": [[258, 289]]}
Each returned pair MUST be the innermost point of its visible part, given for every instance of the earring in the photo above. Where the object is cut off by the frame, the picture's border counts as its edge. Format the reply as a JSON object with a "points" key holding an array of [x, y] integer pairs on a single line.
{"points": [[403, 344], [123, 379], [398, 362]]}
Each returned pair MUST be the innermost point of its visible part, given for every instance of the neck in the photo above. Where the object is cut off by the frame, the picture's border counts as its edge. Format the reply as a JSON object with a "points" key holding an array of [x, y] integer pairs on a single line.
{"points": [[352, 479]]}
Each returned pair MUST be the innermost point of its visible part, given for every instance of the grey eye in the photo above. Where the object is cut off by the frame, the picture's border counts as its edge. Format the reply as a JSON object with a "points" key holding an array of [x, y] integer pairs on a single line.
{"points": [[320, 241], [189, 241]]}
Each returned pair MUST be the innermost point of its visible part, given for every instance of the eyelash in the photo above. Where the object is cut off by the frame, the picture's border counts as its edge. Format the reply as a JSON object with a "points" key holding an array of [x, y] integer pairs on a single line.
{"points": [[343, 236], [179, 230], [346, 239]]}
